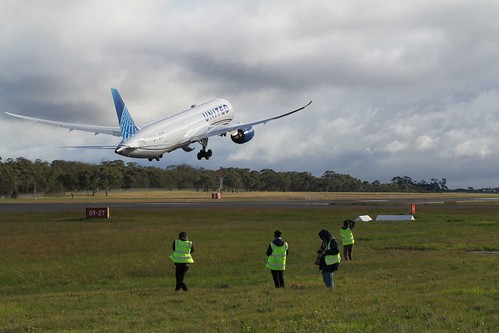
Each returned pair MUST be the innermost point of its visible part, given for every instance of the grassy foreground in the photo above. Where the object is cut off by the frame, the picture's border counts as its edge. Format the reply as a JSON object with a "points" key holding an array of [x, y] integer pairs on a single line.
{"points": [[62, 273]]}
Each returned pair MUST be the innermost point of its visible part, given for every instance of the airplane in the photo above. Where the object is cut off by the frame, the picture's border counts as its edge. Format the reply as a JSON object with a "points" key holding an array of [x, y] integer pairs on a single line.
{"points": [[180, 130]]}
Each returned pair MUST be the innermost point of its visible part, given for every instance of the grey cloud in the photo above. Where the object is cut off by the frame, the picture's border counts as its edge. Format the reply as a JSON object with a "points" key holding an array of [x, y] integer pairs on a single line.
{"points": [[398, 88]]}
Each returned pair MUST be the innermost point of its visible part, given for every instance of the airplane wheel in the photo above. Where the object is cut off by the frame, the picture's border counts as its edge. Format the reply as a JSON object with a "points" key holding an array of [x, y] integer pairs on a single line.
{"points": [[206, 154]]}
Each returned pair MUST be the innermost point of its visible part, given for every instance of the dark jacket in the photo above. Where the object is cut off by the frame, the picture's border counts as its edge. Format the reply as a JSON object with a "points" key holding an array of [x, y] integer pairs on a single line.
{"points": [[328, 238], [278, 242]]}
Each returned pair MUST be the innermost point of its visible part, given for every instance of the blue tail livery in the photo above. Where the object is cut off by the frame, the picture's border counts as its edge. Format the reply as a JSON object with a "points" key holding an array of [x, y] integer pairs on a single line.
{"points": [[127, 125]]}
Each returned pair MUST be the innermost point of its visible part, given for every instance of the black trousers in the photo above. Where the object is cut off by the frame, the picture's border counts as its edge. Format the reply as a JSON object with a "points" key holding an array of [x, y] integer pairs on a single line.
{"points": [[347, 251], [180, 270], [278, 277]]}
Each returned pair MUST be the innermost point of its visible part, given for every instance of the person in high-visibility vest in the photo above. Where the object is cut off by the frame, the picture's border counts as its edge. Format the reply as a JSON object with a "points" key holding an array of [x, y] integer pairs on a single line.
{"points": [[347, 239], [276, 262], [329, 257], [181, 257]]}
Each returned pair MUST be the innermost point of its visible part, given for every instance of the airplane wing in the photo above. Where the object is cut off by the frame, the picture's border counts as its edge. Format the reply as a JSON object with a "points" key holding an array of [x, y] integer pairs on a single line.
{"points": [[78, 127], [91, 147], [223, 129]]}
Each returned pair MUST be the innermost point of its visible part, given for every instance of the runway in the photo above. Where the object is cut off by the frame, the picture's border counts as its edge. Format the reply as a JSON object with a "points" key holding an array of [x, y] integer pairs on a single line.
{"points": [[60, 207], [40, 206]]}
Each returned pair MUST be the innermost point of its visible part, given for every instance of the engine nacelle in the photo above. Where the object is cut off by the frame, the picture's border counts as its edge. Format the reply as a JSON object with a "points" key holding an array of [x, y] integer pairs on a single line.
{"points": [[242, 135]]}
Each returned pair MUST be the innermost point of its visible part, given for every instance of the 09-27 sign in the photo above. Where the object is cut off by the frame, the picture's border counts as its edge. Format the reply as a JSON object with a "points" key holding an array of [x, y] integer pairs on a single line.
{"points": [[102, 212]]}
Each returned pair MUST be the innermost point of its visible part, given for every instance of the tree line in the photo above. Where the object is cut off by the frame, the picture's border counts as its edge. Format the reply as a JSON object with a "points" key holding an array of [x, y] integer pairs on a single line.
{"points": [[22, 176]]}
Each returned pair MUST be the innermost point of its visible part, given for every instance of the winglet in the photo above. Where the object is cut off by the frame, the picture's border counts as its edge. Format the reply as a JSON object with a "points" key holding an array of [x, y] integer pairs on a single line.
{"points": [[127, 125], [291, 112]]}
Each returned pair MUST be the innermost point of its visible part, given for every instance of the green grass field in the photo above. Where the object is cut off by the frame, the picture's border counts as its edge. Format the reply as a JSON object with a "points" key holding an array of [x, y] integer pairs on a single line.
{"points": [[62, 273], [191, 195]]}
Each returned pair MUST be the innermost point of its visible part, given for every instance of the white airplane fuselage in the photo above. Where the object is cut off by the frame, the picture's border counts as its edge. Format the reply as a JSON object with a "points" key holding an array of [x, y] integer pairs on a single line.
{"points": [[194, 125], [176, 131]]}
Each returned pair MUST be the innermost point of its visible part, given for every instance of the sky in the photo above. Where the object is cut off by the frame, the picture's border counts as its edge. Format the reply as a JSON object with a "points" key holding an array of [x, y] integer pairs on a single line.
{"points": [[399, 88]]}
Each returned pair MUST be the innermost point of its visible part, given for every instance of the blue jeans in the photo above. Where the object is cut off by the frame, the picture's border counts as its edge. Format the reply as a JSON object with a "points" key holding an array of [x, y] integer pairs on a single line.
{"points": [[327, 277]]}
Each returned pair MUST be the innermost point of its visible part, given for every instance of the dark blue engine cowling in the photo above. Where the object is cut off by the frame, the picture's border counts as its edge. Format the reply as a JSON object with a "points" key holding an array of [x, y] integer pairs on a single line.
{"points": [[243, 135]]}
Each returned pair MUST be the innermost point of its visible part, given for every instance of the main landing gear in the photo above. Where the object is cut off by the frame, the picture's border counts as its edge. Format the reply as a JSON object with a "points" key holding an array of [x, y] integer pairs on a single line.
{"points": [[205, 154], [155, 158]]}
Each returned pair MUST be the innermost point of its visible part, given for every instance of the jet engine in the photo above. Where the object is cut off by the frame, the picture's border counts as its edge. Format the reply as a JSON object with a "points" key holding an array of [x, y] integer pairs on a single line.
{"points": [[242, 135]]}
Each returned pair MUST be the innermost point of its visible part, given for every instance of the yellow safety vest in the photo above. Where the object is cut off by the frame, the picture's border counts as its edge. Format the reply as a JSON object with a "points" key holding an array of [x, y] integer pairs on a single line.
{"points": [[331, 259], [277, 260], [182, 253], [346, 236]]}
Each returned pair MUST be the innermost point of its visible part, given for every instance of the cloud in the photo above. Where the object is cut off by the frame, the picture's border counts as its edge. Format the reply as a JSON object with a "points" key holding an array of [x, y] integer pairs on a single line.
{"points": [[398, 88]]}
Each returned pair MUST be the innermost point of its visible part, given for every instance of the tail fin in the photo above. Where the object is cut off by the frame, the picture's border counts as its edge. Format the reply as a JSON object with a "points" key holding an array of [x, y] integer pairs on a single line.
{"points": [[127, 125]]}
